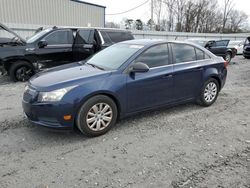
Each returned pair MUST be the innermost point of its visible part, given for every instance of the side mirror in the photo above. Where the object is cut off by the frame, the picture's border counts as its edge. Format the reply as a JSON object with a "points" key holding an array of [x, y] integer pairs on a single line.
{"points": [[139, 67], [42, 44]]}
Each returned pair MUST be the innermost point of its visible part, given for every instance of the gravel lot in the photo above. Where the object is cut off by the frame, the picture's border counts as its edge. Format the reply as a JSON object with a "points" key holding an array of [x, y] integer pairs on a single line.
{"points": [[185, 146]]}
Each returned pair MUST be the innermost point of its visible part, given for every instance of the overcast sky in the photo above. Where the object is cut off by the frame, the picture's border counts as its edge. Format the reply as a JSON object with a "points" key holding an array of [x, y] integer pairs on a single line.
{"points": [[143, 13]]}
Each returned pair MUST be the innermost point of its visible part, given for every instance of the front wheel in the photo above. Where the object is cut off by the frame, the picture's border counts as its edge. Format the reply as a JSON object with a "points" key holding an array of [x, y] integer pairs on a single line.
{"points": [[97, 115], [209, 92], [21, 71]]}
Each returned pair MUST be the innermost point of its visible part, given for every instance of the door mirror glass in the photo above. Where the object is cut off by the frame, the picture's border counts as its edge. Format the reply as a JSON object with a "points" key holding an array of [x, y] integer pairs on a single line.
{"points": [[42, 44], [139, 67]]}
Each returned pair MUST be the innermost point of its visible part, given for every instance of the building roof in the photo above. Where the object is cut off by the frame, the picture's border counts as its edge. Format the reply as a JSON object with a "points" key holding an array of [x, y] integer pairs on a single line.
{"points": [[87, 3]]}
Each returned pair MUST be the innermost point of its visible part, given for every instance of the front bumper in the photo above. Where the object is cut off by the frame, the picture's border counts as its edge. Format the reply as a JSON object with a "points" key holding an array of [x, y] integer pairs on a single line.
{"points": [[49, 115], [246, 53]]}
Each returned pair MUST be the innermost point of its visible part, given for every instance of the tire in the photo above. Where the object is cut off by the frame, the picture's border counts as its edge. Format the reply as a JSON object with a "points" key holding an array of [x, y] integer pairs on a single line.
{"points": [[99, 123], [209, 92], [21, 71], [228, 57]]}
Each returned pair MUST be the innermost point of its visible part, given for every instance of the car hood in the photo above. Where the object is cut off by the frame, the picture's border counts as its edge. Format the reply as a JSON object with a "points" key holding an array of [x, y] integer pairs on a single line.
{"points": [[66, 75], [4, 27]]}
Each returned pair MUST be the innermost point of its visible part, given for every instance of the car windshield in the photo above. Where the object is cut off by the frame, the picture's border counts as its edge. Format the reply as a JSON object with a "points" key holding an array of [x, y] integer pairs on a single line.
{"points": [[114, 56], [38, 35]]}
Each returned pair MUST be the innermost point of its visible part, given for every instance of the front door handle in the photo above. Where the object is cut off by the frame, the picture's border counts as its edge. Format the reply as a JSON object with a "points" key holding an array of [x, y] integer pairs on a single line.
{"points": [[167, 76]]}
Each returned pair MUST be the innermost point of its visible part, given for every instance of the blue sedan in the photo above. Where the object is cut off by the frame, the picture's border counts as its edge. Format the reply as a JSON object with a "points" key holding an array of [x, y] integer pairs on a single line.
{"points": [[121, 80]]}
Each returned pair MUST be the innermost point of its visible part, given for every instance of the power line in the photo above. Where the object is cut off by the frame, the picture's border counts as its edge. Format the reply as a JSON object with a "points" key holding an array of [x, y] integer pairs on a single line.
{"points": [[129, 9]]}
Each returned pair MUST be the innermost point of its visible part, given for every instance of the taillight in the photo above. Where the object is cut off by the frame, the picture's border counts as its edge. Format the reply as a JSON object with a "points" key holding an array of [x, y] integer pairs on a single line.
{"points": [[225, 64]]}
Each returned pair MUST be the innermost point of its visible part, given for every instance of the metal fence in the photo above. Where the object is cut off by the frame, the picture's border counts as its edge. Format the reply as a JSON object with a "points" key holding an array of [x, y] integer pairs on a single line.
{"points": [[183, 35], [26, 30]]}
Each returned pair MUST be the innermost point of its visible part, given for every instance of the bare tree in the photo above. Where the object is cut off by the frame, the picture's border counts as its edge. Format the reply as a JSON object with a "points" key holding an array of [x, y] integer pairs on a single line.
{"points": [[157, 9], [170, 6], [238, 20], [197, 16], [228, 7], [179, 14]]}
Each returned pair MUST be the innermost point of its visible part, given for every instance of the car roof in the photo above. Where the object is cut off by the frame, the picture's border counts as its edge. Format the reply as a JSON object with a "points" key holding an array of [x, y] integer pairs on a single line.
{"points": [[150, 42], [146, 42], [97, 28]]}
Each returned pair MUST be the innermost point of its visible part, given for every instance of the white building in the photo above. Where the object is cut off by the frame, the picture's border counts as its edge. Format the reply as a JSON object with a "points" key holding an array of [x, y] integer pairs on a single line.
{"points": [[31, 14]]}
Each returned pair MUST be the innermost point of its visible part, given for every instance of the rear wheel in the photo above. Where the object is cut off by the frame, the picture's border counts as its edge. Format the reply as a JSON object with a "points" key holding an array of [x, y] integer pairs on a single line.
{"points": [[228, 57], [97, 115], [21, 71], [209, 92]]}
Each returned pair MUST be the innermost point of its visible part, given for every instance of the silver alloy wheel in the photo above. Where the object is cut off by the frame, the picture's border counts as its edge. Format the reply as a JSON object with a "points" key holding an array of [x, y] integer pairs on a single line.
{"points": [[99, 116], [210, 92], [228, 57]]}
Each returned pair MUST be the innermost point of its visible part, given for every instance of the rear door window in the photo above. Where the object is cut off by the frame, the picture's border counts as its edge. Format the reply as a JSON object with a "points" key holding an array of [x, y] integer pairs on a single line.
{"points": [[183, 53], [105, 37], [221, 43], [84, 36], [59, 37], [118, 36]]}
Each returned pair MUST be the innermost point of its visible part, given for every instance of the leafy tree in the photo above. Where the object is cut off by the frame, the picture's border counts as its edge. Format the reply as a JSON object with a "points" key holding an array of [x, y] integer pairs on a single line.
{"points": [[139, 24], [128, 23]]}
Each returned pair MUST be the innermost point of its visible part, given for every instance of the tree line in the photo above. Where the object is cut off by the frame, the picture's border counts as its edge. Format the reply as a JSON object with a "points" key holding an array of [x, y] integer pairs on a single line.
{"points": [[199, 16]]}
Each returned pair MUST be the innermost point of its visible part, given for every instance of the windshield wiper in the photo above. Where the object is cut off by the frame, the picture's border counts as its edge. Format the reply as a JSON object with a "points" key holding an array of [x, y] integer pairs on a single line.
{"points": [[95, 66]]}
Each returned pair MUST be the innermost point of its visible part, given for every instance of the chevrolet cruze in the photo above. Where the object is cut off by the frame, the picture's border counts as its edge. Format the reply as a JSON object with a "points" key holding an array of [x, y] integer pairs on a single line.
{"points": [[121, 80]]}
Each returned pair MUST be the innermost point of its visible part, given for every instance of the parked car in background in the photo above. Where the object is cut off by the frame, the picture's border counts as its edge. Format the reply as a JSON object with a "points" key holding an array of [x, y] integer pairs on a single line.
{"points": [[121, 80], [238, 45], [217, 47], [246, 49], [52, 47]]}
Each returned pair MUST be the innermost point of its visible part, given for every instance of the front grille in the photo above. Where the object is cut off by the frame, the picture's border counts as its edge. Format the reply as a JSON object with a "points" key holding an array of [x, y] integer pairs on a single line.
{"points": [[30, 95], [248, 49]]}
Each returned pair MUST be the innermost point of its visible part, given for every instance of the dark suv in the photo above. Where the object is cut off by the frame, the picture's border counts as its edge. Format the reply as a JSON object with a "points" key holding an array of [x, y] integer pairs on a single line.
{"points": [[52, 47], [246, 48], [217, 47]]}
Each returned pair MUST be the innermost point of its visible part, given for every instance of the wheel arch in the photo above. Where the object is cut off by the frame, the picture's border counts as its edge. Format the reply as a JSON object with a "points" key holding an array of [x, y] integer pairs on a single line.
{"points": [[217, 79], [213, 73], [8, 62], [105, 93]]}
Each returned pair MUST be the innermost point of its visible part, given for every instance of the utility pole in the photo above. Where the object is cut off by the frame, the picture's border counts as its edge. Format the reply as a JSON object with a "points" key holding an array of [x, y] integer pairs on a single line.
{"points": [[152, 14]]}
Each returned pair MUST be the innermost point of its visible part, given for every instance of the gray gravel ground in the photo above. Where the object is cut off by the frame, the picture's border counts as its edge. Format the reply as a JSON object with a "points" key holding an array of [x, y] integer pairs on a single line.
{"points": [[185, 146]]}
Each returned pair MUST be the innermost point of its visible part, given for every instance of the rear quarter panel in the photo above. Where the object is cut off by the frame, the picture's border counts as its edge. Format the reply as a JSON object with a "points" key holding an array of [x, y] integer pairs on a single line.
{"points": [[215, 69]]}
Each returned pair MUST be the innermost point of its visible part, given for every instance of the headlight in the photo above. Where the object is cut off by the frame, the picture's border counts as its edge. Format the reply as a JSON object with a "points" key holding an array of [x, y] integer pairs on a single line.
{"points": [[26, 88], [53, 96]]}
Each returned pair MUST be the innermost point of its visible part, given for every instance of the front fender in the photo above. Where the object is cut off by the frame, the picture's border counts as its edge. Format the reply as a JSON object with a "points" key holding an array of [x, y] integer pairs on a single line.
{"points": [[79, 95]]}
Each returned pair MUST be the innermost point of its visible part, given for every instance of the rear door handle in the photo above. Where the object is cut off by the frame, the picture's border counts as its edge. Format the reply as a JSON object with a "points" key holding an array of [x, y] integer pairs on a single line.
{"points": [[199, 68], [167, 76]]}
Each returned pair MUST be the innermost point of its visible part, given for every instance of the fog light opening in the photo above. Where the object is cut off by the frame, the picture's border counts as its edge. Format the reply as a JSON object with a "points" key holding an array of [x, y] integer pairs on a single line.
{"points": [[67, 117]]}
